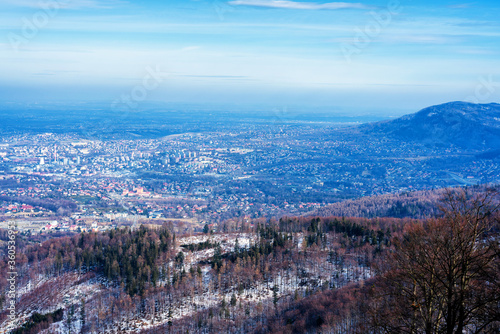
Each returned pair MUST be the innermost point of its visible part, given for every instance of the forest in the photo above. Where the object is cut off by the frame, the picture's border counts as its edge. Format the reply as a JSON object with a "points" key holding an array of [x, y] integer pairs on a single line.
{"points": [[308, 274]]}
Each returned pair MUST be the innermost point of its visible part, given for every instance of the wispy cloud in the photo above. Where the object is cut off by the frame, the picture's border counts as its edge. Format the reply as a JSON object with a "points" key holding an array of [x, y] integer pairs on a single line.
{"points": [[284, 4], [223, 77], [56, 72], [461, 6], [68, 4], [423, 39]]}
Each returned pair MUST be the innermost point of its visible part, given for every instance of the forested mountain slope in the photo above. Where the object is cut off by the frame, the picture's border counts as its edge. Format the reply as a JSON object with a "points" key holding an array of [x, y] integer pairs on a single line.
{"points": [[467, 125], [293, 275]]}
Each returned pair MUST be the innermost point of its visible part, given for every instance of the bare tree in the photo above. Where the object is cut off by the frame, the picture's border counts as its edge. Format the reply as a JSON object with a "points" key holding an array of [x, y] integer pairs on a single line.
{"points": [[443, 276]]}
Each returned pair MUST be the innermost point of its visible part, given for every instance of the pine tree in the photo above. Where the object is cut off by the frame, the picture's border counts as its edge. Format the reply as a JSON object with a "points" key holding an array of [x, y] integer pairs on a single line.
{"points": [[223, 303], [275, 295], [236, 246], [199, 271], [82, 314], [69, 318], [170, 317]]}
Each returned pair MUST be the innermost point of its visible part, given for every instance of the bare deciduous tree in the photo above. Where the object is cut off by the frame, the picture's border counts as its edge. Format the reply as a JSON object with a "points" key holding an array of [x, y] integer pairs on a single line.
{"points": [[443, 276]]}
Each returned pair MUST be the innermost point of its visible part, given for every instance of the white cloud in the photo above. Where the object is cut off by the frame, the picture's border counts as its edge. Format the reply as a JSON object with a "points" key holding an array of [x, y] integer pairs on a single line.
{"points": [[66, 4], [422, 39], [299, 5], [461, 6]]}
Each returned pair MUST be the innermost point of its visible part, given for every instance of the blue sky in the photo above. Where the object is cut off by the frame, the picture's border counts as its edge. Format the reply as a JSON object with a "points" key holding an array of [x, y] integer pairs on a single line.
{"points": [[381, 55]]}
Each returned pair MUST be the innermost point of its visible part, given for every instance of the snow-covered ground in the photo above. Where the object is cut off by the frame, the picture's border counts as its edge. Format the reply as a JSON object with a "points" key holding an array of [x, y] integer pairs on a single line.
{"points": [[44, 295]]}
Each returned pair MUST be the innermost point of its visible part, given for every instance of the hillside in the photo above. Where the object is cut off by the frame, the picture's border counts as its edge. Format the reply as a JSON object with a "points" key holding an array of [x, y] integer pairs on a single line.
{"points": [[409, 204], [150, 280], [466, 125], [295, 275], [416, 204]]}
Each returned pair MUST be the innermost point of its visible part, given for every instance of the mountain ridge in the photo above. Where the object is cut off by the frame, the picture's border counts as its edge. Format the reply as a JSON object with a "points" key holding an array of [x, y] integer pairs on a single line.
{"points": [[462, 124]]}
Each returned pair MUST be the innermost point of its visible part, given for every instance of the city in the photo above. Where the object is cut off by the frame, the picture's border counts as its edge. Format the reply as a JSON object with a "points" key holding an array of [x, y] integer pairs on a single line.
{"points": [[235, 172]]}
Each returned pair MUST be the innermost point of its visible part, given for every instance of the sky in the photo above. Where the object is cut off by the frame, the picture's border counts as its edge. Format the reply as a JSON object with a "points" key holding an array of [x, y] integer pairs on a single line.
{"points": [[393, 56]]}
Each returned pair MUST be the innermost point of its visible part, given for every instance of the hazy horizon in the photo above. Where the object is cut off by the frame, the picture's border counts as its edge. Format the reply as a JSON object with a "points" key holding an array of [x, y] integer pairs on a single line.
{"points": [[369, 55]]}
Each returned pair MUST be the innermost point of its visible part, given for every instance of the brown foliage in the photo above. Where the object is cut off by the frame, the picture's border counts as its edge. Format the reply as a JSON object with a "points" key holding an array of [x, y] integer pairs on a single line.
{"points": [[443, 276]]}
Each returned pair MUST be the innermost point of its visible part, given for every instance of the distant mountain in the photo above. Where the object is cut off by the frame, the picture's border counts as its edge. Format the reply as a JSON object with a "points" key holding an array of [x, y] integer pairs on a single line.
{"points": [[467, 125]]}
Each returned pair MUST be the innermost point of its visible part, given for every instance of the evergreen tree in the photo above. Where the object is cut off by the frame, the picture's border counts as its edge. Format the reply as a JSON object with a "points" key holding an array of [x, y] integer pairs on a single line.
{"points": [[233, 300], [275, 295], [236, 246], [82, 315]]}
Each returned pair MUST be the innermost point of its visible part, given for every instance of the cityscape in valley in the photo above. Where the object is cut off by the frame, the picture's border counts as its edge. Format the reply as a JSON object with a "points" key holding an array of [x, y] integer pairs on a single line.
{"points": [[232, 171], [249, 166]]}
